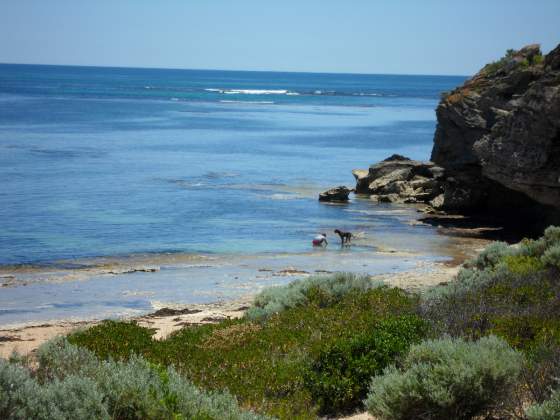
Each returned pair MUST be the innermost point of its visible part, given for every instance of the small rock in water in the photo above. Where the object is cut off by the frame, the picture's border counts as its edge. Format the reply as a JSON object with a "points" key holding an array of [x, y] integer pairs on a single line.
{"points": [[337, 194]]}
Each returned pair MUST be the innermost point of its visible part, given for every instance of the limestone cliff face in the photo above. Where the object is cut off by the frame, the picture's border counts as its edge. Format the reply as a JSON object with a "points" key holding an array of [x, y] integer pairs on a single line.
{"points": [[498, 135]]}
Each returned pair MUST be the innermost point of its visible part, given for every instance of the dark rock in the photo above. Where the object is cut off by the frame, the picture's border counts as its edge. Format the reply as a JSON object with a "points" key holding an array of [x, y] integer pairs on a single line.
{"points": [[395, 157], [338, 194], [498, 136], [173, 312]]}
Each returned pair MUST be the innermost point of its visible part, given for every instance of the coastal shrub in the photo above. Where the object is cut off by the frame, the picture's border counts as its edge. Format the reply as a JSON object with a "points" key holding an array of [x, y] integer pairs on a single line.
{"points": [[541, 373], [105, 338], [20, 396], [548, 410], [447, 379], [75, 397], [491, 255], [194, 403], [551, 256], [138, 389], [495, 66], [552, 236], [522, 264], [72, 383], [322, 290], [339, 376], [526, 332], [524, 309], [263, 363], [57, 359], [510, 291]]}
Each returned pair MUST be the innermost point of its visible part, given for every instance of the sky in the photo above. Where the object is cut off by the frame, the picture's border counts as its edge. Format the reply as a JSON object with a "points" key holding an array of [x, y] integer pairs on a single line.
{"points": [[352, 36]]}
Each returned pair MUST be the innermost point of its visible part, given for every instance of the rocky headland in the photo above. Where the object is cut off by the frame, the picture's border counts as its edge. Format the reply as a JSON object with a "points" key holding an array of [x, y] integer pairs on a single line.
{"points": [[496, 147]]}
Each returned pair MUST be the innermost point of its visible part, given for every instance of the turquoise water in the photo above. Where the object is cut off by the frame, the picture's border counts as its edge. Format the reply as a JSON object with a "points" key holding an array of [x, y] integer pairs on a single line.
{"points": [[114, 162]]}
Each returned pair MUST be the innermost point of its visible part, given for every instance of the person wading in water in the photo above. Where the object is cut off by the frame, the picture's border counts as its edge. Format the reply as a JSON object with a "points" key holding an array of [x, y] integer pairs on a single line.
{"points": [[320, 240]]}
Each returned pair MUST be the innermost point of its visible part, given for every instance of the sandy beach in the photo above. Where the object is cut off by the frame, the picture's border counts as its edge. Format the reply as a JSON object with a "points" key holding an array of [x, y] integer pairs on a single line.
{"points": [[26, 338]]}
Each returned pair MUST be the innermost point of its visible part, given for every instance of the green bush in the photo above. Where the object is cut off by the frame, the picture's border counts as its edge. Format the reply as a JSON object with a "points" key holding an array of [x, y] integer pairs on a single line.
{"points": [[263, 363], [75, 398], [321, 290], [522, 264], [339, 376], [548, 410], [491, 255], [542, 370], [20, 395], [510, 291], [552, 236], [56, 359], [105, 338], [551, 256], [447, 379], [74, 384]]}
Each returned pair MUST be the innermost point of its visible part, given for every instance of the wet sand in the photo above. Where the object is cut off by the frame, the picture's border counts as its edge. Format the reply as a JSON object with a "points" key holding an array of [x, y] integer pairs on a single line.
{"points": [[26, 338], [40, 302]]}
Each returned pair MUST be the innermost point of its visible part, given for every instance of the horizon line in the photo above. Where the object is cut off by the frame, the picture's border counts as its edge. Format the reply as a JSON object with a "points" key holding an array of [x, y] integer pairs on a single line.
{"points": [[232, 70]]}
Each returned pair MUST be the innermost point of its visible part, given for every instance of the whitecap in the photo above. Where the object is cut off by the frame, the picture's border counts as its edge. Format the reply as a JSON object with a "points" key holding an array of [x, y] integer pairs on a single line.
{"points": [[225, 101], [256, 92]]}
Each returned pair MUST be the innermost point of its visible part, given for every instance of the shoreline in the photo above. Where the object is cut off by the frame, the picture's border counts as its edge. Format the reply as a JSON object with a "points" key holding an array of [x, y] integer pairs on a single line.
{"points": [[25, 338], [212, 288]]}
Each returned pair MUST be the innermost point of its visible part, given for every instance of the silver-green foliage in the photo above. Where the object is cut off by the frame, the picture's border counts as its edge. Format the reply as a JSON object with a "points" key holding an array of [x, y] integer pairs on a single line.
{"points": [[276, 299], [71, 383], [551, 256], [74, 397], [491, 255], [491, 263], [446, 379], [548, 410], [20, 395]]}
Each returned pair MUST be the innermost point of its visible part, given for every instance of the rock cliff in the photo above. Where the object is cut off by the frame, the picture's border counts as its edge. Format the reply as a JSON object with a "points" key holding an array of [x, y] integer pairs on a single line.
{"points": [[498, 135], [496, 147]]}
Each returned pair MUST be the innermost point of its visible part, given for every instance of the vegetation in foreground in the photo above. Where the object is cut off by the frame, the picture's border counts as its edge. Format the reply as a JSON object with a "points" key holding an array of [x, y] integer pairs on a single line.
{"points": [[484, 346], [315, 355]]}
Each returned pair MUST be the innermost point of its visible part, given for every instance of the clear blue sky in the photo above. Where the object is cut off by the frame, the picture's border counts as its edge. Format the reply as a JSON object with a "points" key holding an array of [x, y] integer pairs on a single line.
{"points": [[363, 36]]}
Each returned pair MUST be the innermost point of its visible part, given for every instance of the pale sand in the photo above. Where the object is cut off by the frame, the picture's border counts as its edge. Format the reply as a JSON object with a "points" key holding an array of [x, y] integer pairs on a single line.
{"points": [[27, 338]]}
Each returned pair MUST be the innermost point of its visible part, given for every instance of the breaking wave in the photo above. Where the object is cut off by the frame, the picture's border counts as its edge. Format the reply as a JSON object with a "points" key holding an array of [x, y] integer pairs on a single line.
{"points": [[287, 92]]}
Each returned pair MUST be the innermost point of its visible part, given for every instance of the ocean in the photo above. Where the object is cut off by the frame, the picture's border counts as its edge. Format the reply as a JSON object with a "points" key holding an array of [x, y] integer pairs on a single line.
{"points": [[124, 162]]}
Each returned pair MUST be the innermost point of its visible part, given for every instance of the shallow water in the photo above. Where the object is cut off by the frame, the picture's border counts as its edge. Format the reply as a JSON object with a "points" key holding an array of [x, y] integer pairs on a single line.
{"points": [[122, 163]]}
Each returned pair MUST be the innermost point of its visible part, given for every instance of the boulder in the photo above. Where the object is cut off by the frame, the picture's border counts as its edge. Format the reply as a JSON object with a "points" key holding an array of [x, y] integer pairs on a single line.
{"points": [[337, 194], [399, 179]]}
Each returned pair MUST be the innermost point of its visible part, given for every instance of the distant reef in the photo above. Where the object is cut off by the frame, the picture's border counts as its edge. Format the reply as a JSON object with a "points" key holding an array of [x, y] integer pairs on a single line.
{"points": [[496, 146]]}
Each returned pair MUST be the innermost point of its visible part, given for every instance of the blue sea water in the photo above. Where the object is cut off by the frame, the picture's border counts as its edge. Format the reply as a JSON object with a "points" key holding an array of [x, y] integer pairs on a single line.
{"points": [[120, 161]]}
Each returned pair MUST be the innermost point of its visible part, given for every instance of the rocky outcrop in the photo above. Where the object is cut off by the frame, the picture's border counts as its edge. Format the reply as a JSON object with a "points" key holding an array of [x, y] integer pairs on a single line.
{"points": [[337, 194], [398, 179], [498, 136]]}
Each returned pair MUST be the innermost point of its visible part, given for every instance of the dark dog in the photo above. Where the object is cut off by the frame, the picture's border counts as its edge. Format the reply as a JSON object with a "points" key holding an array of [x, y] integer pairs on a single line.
{"points": [[345, 237]]}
